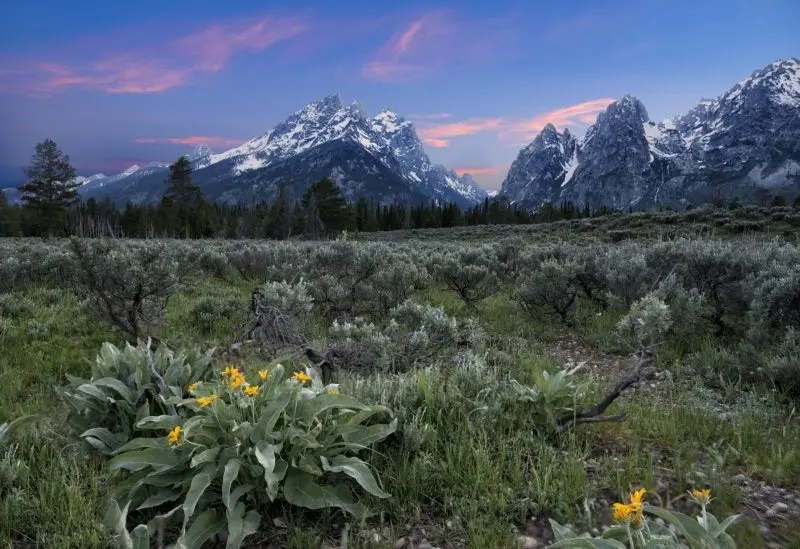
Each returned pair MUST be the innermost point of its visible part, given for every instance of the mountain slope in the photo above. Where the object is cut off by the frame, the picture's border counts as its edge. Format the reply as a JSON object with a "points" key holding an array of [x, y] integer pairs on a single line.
{"points": [[379, 158], [747, 139]]}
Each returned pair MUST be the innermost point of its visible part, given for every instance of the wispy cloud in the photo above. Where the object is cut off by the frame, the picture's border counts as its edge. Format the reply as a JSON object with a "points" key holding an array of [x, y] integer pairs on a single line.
{"points": [[192, 140], [440, 135], [156, 68], [482, 170], [432, 116], [433, 40]]}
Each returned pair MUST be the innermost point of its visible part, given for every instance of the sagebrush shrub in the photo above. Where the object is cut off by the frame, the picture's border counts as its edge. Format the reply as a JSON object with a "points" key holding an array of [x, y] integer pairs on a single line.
{"points": [[210, 308], [471, 273], [647, 322], [553, 286], [775, 305], [129, 285]]}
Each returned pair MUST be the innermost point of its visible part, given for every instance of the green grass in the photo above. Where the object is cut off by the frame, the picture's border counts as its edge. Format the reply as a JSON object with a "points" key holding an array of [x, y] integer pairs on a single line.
{"points": [[474, 478]]}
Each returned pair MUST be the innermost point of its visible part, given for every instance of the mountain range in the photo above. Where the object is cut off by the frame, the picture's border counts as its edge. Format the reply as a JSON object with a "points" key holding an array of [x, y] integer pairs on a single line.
{"points": [[740, 145], [380, 158], [745, 142]]}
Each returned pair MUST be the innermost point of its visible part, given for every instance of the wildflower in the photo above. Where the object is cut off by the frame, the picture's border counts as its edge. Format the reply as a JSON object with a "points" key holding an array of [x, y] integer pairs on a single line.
{"points": [[263, 374], [704, 494], [206, 400], [193, 387], [252, 390], [632, 511], [237, 381], [622, 512], [235, 377], [333, 389], [174, 436], [301, 377]]}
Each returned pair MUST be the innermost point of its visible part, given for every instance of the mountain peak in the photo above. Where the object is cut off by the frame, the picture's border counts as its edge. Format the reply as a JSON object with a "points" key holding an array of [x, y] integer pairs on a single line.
{"points": [[628, 106], [199, 152]]}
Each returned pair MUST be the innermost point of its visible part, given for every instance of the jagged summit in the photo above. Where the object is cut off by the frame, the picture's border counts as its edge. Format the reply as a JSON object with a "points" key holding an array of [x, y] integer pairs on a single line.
{"points": [[749, 137], [327, 132]]}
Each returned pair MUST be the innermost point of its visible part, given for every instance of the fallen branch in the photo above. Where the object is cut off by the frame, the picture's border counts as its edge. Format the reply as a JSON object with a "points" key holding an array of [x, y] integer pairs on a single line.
{"points": [[594, 414], [271, 328]]}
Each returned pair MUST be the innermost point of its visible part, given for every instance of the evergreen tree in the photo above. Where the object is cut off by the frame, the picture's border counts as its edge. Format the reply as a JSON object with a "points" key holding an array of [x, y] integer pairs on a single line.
{"points": [[280, 224], [298, 219], [181, 190], [51, 186], [335, 212], [315, 228]]}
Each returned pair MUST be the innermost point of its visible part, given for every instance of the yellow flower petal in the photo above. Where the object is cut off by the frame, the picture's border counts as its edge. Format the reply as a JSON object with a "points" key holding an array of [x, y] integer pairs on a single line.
{"points": [[174, 436], [263, 374], [301, 377], [251, 391]]}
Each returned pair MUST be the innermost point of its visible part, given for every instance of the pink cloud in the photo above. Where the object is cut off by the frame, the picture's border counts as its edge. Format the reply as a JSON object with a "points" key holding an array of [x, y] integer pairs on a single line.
{"points": [[192, 140], [482, 170], [440, 135], [153, 69], [435, 39]]}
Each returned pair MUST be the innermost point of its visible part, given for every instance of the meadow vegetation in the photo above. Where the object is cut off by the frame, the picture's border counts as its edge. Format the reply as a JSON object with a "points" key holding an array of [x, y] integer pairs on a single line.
{"points": [[406, 388]]}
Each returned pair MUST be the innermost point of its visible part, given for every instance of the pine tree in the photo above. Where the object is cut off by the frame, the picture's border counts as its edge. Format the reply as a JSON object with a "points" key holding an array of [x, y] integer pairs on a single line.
{"points": [[51, 178], [280, 216], [335, 212], [315, 228], [181, 190]]}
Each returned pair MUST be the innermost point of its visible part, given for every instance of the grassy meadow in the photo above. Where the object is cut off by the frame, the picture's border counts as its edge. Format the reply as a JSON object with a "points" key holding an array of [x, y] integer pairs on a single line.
{"points": [[468, 465]]}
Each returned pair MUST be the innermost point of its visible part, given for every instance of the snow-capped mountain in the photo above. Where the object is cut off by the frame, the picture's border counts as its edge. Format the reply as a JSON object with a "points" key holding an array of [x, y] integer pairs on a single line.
{"points": [[724, 148], [379, 158]]}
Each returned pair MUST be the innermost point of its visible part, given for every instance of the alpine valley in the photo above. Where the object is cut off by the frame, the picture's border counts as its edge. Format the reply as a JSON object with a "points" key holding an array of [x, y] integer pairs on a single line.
{"points": [[742, 146], [379, 159]]}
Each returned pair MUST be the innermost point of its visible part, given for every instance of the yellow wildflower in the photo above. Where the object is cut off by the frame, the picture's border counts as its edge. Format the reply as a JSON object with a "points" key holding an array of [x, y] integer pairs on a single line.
{"points": [[333, 390], [632, 511], [301, 377], [206, 400], [230, 371], [174, 436], [263, 374], [251, 390], [193, 387], [237, 381], [622, 512], [701, 496]]}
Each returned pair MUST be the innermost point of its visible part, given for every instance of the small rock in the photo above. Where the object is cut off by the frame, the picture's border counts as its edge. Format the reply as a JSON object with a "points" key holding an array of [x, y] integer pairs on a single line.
{"points": [[278, 523], [400, 543], [780, 507], [740, 479], [527, 542], [797, 501], [426, 545], [770, 513], [765, 531]]}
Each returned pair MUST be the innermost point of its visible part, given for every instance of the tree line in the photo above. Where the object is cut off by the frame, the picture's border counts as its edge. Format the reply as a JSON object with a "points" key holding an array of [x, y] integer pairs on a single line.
{"points": [[52, 206]]}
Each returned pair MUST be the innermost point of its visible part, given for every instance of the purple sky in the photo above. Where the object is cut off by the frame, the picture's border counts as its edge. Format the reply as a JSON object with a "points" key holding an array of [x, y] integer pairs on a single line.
{"points": [[122, 83]]}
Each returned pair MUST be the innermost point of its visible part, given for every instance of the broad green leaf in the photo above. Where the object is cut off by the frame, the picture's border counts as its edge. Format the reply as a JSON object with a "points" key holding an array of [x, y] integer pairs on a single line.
{"points": [[230, 474], [363, 437], [265, 454], [204, 526], [687, 526], [238, 492], [274, 483], [241, 525], [270, 415], [162, 496], [95, 392], [200, 482], [159, 459], [561, 532], [205, 456], [357, 469], [118, 387], [159, 422], [587, 543], [115, 519], [616, 532], [727, 522], [141, 537], [308, 409], [109, 441], [301, 489], [308, 463], [142, 412]]}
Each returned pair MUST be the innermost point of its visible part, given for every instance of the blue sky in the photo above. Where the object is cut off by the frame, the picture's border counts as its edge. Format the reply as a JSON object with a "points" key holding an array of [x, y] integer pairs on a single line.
{"points": [[122, 83]]}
